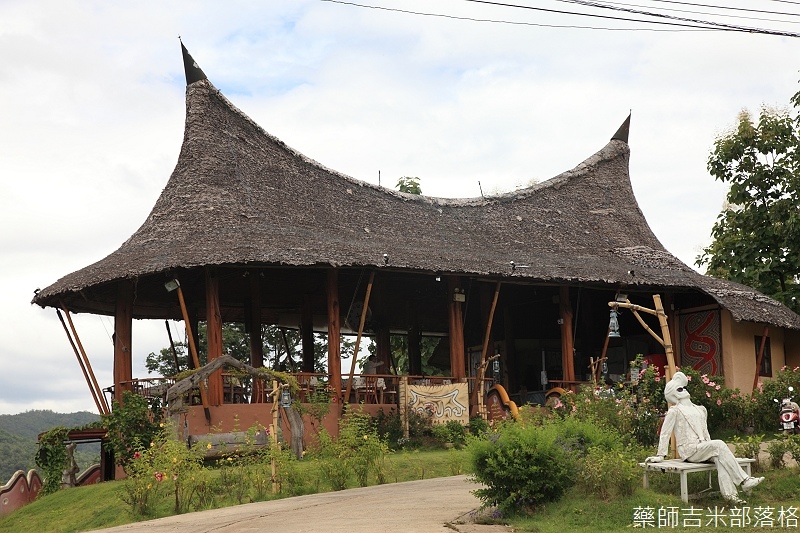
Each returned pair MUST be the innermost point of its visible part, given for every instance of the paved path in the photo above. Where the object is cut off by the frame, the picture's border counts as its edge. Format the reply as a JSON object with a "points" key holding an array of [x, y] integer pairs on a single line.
{"points": [[429, 506]]}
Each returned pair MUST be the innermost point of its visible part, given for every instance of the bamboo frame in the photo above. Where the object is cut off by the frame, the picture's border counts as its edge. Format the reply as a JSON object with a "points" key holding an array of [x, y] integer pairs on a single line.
{"points": [[358, 337], [83, 361]]}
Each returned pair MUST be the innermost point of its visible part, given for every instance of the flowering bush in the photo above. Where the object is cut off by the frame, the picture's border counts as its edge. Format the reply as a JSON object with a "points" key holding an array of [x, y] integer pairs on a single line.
{"points": [[165, 466], [765, 411]]}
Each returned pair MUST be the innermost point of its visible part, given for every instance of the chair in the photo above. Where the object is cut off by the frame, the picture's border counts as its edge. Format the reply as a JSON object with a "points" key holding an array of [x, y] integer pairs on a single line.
{"points": [[367, 389]]}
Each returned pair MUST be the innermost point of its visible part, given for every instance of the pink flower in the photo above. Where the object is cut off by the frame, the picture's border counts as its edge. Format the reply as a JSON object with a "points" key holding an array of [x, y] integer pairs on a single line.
{"points": [[688, 378], [719, 402], [159, 476], [708, 394], [705, 380], [175, 476], [658, 379], [717, 387], [733, 396], [710, 383], [136, 455]]}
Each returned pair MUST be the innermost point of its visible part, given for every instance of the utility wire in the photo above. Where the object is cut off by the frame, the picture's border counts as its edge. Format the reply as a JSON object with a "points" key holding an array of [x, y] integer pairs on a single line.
{"points": [[731, 27], [729, 8], [684, 27], [714, 14]]}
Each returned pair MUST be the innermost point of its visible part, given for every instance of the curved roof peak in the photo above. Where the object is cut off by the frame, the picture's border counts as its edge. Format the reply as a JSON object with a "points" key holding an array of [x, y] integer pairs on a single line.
{"points": [[623, 131], [191, 68]]}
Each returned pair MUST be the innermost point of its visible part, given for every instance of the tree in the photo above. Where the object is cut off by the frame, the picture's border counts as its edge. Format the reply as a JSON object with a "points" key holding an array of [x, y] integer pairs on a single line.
{"points": [[409, 185], [757, 234], [236, 343]]}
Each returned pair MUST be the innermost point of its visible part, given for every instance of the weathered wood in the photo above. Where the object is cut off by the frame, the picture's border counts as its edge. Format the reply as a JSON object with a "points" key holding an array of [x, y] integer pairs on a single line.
{"points": [[764, 337], [185, 385], [334, 332], [364, 310], [297, 428], [213, 335], [97, 394], [567, 346], [455, 330]]}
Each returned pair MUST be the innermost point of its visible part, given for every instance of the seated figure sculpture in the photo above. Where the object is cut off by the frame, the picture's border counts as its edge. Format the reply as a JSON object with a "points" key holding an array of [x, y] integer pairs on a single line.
{"points": [[689, 423]]}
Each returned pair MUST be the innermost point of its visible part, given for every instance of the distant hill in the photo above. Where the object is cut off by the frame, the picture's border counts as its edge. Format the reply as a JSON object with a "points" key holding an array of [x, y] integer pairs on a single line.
{"points": [[19, 433]]}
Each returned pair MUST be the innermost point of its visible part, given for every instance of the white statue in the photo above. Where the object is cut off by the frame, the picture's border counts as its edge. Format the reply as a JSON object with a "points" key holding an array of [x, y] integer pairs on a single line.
{"points": [[688, 421]]}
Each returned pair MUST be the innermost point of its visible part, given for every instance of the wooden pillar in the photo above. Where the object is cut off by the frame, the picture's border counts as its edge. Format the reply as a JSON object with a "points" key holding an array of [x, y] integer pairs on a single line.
{"points": [[383, 350], [414, 349], [567, 349], [256, 340], [213, 335], [456, 329], [123, 338], [307, 332], [334, 331]]}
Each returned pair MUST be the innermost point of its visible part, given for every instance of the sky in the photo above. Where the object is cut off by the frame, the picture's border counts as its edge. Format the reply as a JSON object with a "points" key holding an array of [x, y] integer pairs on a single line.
{"points": [[92, 115]]}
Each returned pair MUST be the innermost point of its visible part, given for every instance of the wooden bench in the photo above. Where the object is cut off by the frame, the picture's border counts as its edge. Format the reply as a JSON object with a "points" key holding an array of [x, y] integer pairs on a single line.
{"points": [[683, 468]]}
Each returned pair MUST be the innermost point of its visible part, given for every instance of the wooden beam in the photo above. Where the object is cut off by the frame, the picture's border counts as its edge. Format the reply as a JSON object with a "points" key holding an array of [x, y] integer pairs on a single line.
{"points": [[478, 390], [94, 388], [764, 337], [364, 310], [567, 347], [123, 339], [307, 333], [213, 335], [334, 332], [256, 341], [456, 330], [193, 350]]}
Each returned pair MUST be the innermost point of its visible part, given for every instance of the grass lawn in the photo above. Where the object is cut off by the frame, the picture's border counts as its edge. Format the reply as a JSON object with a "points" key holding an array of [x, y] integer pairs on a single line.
{"points": [[578, 512], [100, 506]]}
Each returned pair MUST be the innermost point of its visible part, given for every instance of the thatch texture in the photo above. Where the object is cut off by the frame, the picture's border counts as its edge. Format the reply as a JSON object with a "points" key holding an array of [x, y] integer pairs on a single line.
{"points": [[240, 196]]}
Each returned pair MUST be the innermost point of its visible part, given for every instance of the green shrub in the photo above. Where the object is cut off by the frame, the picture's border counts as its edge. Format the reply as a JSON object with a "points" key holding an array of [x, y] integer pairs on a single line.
{"points": [[777, 449], [609, 473], [749, 448], [521, 467], [132, 426]]}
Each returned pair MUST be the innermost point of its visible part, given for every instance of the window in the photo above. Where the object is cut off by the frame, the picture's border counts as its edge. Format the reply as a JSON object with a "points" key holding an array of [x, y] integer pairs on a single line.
{"points": [[766, 361]]}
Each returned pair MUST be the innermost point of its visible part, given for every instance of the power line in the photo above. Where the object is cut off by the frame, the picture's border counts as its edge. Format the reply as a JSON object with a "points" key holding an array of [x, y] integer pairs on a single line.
{"points": [[714, 14], [746, 29], [675, 23], [685, 27], [709, 25], [729, 8]]}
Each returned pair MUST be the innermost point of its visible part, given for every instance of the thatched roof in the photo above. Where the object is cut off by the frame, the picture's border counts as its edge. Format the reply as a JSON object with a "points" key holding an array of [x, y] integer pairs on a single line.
{"points": [[239, 195]]}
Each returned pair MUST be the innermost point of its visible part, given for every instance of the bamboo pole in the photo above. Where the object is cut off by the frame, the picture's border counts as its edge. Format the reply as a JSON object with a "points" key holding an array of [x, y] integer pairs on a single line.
{"points": [[172, 347], [100, 401], [760, 355], [193, 351], [478, 396], [358, 337]]}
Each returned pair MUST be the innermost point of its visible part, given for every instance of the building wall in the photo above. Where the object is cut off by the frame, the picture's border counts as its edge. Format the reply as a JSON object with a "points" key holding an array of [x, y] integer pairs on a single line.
{"points": [[739, 351], [792, 348]]}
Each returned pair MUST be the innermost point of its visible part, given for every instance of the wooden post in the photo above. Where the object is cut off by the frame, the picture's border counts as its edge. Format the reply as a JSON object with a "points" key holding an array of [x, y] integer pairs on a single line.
{"points": [[334, 333], [193, 350], [666, 339], [760, 355], [567, 347], [94, 388], [123, 338], [456, 330], [307, 332], [478, 389], [213, 335], [364, 310]]}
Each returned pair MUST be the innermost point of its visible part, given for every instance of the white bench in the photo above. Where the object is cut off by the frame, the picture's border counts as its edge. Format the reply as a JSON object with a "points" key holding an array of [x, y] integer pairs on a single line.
{"points": [[683, 468]]}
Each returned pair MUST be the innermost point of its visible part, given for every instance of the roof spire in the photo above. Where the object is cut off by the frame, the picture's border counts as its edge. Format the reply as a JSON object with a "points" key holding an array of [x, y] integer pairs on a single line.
{"points": [[622, 132], [193, 71]]}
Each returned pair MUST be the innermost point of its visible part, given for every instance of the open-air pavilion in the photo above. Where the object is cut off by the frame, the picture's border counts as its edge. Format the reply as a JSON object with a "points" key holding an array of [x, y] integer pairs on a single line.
{"points": [[256, 233]]}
